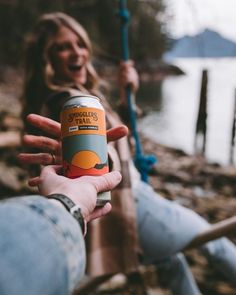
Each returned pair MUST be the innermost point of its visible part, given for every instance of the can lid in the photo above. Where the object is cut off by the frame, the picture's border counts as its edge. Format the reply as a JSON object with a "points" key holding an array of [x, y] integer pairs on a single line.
{"points": [[80, 100], [85, 95]]}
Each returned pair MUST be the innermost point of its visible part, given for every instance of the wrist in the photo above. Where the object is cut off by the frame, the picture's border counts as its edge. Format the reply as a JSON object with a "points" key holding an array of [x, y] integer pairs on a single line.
{"points": [[57, 203], [71, 207]]}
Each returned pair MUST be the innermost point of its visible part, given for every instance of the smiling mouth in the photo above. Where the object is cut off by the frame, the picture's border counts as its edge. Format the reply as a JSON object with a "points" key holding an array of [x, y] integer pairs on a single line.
{"points": [[75, 68]]}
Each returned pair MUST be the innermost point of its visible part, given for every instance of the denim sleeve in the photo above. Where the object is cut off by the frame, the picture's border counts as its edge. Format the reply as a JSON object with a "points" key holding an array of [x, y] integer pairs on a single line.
{"points": [[42, 248]]}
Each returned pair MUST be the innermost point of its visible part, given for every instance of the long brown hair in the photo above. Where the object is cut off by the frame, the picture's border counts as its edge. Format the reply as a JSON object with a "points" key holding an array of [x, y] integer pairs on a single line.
{"points": [[39, 75]]}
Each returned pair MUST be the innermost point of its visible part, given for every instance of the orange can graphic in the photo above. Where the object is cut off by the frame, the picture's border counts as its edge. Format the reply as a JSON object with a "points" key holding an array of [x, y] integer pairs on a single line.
{"points": [[84, 142]]}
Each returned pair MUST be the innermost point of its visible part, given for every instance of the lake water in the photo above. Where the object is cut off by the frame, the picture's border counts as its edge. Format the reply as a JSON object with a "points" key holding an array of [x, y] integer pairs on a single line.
{"points": [[172, 107]]}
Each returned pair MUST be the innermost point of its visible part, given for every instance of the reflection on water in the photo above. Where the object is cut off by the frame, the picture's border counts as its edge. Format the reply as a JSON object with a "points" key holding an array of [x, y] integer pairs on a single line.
{"points": [[149, 97], [173, 108]]}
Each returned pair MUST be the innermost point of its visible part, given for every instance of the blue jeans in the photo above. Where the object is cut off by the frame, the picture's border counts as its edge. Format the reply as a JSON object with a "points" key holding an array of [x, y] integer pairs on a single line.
{"points": [[165, 228], [42, 248]]}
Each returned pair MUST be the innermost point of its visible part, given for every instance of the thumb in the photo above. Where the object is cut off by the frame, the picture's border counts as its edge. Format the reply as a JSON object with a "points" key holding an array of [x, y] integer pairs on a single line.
{"points": [[52, 169], [107, 181], [99, 212]]}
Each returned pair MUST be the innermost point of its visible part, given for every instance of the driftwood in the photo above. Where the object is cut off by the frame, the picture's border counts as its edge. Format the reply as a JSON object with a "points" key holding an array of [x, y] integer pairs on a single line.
{"points": [[10, 139], [90, 284], [218, 230], [10, 178], [10, 128]]}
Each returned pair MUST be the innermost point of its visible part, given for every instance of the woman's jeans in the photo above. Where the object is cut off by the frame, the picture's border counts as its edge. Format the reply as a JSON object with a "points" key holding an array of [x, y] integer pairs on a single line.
{"points": [[165, 228], [42, 248]]}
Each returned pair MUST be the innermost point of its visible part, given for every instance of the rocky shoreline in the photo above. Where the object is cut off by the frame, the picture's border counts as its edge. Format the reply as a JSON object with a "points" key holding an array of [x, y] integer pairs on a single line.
{"points": [[207, 188]]}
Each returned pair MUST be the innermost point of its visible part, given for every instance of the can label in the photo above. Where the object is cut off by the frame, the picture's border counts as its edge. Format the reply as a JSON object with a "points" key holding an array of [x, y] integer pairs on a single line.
{"points": [[84, 143]]}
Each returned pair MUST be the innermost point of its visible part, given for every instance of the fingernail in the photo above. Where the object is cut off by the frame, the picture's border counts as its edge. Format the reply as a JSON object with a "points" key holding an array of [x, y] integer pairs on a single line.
{"points": [[117, 175]]}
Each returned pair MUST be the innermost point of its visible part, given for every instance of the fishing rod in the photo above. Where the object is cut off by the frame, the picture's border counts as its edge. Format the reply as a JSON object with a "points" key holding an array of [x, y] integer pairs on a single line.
{"points": [[143, 162]]}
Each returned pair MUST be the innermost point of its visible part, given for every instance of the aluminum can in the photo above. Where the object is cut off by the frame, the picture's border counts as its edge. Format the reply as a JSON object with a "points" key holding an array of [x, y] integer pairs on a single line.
{"points": [[84, 141]]}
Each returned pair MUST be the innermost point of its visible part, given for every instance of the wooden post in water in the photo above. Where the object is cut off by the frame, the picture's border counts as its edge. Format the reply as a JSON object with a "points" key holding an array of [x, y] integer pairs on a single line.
{"points": [[201, 125], [232, 143]]}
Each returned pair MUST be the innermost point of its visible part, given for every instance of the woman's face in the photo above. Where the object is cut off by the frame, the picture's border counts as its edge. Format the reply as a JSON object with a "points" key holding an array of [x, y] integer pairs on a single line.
{"points": [[69, 56]]}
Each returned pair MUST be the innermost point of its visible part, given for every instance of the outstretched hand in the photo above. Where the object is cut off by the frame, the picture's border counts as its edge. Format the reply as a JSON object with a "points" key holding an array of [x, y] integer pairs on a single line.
{"points": [[51, 145], [82, 191]]}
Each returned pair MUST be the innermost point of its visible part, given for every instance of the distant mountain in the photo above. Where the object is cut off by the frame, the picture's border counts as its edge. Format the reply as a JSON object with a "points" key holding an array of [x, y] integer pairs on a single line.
{"points": [[205, 44]]}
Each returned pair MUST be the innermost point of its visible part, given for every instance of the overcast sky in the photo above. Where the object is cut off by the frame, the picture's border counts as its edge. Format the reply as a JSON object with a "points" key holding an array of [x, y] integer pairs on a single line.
{"points": [[192, 16]]}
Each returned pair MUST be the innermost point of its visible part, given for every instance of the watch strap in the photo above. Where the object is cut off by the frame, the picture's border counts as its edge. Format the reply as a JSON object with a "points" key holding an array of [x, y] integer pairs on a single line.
{"points": [[71, 207]]}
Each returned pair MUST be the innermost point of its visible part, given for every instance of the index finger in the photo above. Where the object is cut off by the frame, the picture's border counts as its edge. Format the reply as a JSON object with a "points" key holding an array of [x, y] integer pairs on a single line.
{"points": [[45, 124], [54, 169], [117, 133]]}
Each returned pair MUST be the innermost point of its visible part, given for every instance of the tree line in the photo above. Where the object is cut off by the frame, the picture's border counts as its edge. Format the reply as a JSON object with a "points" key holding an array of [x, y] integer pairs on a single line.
{"points": [[147, 38]]}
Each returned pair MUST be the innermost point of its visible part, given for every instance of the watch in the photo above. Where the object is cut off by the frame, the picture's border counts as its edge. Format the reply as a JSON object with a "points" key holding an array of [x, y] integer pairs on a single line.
{"points": [[70, 206]]}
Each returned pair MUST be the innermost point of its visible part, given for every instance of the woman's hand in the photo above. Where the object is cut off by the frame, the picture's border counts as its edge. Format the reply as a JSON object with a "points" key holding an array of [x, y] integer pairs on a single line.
{"points": [[51, 145], [128, 76], [82, 191]]}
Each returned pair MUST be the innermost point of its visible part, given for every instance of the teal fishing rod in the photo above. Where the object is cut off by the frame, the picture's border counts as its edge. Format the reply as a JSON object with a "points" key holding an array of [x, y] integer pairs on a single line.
{"points": [[143, 162]]}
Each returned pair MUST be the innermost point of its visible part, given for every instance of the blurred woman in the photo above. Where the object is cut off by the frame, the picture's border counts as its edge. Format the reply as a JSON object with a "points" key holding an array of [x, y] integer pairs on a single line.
{"points": [[58, 65]]}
